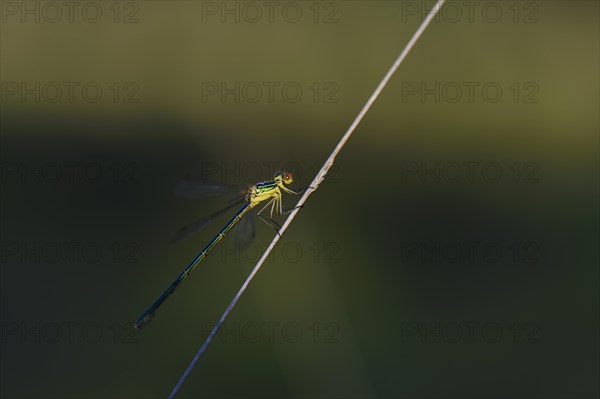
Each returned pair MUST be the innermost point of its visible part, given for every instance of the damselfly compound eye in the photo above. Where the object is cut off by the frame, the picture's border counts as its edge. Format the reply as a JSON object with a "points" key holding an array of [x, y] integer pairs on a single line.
{"points": [[287, 177]]}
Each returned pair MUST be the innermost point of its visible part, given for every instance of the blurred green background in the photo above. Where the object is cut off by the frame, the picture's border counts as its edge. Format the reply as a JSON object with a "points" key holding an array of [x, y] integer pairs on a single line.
{"points": [[367, 294]]}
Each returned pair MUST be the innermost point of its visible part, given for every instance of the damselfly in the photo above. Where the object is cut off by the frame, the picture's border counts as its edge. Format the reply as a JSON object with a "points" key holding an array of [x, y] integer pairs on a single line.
{"points": [[269, 191]]}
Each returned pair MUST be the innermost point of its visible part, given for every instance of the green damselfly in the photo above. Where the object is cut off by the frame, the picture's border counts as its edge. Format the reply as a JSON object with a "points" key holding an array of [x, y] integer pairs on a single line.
{"points": [[269, 191]]}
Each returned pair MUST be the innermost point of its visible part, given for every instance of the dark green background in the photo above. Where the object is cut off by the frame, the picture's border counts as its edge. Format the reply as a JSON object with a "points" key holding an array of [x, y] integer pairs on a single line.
{"points": [[352, 279]]}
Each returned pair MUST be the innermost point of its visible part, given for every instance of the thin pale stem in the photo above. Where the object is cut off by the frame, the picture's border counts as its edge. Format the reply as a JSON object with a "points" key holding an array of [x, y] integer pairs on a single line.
{"points": [[310, 189]]}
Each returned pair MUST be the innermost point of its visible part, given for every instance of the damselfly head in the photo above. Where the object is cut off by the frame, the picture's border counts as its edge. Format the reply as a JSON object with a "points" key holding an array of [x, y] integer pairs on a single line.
{"points": [[284, 176]]}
